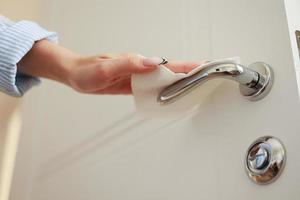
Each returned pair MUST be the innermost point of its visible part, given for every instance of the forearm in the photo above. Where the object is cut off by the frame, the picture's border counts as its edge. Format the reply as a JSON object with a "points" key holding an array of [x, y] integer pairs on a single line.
{"points": [[48, 60]]}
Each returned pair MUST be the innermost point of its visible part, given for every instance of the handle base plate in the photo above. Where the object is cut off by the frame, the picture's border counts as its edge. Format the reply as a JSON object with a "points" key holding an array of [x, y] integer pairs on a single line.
{"points": [[266, 73]]}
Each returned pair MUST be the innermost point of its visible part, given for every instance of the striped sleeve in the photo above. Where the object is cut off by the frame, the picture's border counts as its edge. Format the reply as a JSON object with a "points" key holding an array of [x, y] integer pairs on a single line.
{"points": [[16, 39]]}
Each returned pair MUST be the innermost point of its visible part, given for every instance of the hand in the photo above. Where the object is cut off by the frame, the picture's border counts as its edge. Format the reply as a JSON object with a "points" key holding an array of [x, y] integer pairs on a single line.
{"points": [[111, 74], [103, 74]]}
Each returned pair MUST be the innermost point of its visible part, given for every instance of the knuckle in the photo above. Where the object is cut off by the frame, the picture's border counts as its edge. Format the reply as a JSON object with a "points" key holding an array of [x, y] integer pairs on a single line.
{"points": [[106, 55], [133, 60], [130, 60], [103, 55]]}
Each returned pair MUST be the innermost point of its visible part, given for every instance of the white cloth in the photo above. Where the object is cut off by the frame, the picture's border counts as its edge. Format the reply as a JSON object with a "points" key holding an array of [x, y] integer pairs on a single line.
{"points": [[146, 88]]}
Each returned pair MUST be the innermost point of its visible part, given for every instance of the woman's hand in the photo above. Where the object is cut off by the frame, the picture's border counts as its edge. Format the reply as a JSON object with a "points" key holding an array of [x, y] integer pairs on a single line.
{"points": [[103, 74], [108, 73], [111, 74]]}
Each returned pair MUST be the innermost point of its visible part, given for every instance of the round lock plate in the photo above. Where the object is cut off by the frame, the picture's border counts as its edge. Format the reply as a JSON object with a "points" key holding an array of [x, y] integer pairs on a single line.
{"points": [[265, 159]]}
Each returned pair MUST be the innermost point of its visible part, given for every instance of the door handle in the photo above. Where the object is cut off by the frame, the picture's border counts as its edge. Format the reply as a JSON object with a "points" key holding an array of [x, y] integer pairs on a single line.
{"points": [[255, 81]]}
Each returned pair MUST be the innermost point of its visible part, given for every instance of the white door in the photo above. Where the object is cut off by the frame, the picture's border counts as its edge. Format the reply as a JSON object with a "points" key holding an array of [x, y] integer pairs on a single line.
{"points": [[96, 147]]}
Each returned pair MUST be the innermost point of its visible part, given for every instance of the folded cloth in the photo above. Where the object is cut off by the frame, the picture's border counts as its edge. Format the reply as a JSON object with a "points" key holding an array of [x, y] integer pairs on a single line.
{"points": [[146, 88]]}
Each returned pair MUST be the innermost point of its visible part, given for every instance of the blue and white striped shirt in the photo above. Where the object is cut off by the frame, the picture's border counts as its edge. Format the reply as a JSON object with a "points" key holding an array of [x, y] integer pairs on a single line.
{"points": [[16, 39]]}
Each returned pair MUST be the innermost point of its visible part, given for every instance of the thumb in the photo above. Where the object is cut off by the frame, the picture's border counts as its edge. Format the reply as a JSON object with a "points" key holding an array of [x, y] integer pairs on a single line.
{"points": [[131, 64]]}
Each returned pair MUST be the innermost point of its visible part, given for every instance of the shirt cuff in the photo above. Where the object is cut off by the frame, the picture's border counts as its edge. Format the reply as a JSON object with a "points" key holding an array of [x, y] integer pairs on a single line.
{"points": [[15, 41]]}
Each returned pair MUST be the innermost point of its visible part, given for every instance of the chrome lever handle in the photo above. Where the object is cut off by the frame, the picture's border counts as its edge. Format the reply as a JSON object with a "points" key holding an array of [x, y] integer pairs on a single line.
{"points": [[255, 81]]}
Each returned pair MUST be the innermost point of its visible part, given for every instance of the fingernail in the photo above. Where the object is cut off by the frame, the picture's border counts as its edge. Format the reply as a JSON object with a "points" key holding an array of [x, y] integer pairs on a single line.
{"points": [[154, 61]]}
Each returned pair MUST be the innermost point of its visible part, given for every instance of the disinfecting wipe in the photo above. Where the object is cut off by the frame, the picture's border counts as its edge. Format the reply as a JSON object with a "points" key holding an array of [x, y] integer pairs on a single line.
{"points": [[146, 88]]}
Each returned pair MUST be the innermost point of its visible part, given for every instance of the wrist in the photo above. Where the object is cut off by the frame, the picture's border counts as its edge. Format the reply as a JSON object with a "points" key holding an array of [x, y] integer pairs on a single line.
{"points": [[48, 60], [78, 74], [66, 67]]}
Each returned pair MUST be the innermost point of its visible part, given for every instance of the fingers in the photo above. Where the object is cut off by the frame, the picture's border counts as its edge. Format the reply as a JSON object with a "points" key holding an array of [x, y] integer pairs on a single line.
{"points": [[129, 64], [181, 66]]}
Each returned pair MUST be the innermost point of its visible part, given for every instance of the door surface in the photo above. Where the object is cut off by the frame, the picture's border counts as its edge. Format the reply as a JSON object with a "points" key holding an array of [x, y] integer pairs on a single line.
{"points": [[96, 147]]}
